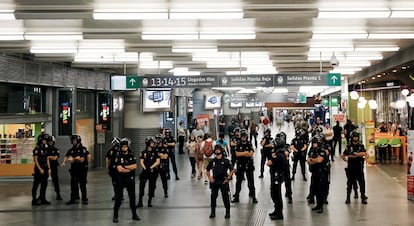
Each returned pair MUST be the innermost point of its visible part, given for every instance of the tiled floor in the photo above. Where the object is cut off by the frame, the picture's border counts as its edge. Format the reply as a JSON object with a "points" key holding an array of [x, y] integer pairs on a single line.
{"points": [[188, 203]]}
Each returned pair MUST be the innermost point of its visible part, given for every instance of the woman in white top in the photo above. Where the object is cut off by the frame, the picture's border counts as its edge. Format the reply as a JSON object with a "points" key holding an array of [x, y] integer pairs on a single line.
{"points": [[191, 147], [329, 134]]}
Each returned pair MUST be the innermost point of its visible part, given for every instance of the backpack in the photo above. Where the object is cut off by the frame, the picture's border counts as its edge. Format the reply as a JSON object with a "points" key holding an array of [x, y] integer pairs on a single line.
{"points": [[208, 148]]}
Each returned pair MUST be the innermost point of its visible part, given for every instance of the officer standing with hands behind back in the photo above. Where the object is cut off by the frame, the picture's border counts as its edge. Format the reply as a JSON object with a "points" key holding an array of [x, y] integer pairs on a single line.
{"points": [[220, 179], [126, 164], [41, 170]]}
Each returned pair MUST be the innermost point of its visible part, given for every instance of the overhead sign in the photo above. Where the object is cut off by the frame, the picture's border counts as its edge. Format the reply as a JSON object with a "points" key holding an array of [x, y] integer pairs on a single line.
{"points": [[334, 79], [300, 80], [132, 82], [171, 81], [246, 81], [209, 81]]}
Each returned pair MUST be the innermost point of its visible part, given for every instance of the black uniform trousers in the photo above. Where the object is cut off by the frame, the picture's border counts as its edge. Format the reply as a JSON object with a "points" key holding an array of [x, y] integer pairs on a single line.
{"points": [[54, 174], [128, 183], [264, 155], [225, 190], [339, 142], [299, 157], [40, 179], [319, 186], [114, 178], [78, 180], [181, 140], [276, 193], [233, 155], [248, 169], [288, 181], [355, 175], [151, 177], [164, 171], [171, 156]]}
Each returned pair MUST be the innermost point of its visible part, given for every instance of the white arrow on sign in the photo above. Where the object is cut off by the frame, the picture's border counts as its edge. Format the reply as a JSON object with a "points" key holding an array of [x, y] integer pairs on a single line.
{"points": [[132, 81], [334, 78]]}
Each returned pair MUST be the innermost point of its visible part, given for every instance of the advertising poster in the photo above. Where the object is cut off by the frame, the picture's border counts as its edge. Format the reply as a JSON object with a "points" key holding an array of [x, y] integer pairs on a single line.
{"points": [[410, 167], [204, 121], [370, 141]]}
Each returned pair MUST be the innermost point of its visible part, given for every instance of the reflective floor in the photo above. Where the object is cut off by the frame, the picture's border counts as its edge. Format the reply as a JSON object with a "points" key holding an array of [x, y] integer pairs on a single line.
{"points": [[189, 199]]}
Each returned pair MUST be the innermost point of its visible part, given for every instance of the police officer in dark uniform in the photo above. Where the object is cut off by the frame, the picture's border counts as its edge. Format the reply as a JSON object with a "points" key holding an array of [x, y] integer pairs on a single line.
{"points": [[355, 154], [126, 164], [41, 170], [110, 162], [234, 141], [266, 151], [77, 155], [149, 161], [299, 147], [278, 172], [220, 179], [245, 165], [170, 142], [288, 182], [317, 158], [53, 154], [164, 167]]}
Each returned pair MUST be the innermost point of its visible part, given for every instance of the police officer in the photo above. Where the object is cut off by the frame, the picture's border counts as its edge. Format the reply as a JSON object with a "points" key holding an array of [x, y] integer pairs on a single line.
{"points": [[288, 182], [149, 161], [170, 144], [164, 167], [317, 158], [220, 179], [234, 141], [267, 145], [244, 155], [110, 162], [299, 147], [355, 154], [53, 154], [41, 170], [77, 155], [278, 172], [126, 164]]}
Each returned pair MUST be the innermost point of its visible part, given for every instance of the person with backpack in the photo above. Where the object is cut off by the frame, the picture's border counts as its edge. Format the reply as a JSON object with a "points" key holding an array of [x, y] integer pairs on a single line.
{"points": [[207, 149]]}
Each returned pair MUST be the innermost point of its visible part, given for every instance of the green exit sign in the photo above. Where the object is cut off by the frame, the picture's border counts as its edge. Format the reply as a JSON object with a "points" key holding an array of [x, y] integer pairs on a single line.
{"points": [[132, 82], [334, 79]]}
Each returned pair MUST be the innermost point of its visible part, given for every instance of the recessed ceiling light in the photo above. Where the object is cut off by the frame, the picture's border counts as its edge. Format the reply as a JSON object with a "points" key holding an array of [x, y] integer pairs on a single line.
{"points": [[373, 78], [359, 83], [379, 76], [394, 70], [363, 81], [403, 67]]}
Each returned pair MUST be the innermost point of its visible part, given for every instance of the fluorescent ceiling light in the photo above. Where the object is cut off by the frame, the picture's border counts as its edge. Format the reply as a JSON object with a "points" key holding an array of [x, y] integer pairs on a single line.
{"points": [[7, 15], [247, 91], [325, 58], [335, 36], [280, 90], [402, 14], [95, 59], [12, 36], [376, 48], [183, 71], [229, 35], [344, 72], [227, 88], [325, 44], [311, 90], [355, 14], [193, 49], [130, 14], [340, 67], [333, 49], [206, 14], [354, 63], [169, 36], [156, 65], [53, 49], [101, 50], [53, 36], [391, 36]]}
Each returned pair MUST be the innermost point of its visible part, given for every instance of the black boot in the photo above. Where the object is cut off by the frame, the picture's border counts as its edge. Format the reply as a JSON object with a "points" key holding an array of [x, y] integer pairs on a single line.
{"points": [[227, 213], [139, 204], [277, 216], [348, 198], [149, 202], [135, 217], [165, 194], [115, 219], [58, 197], [213, 212], [236, 199]]}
